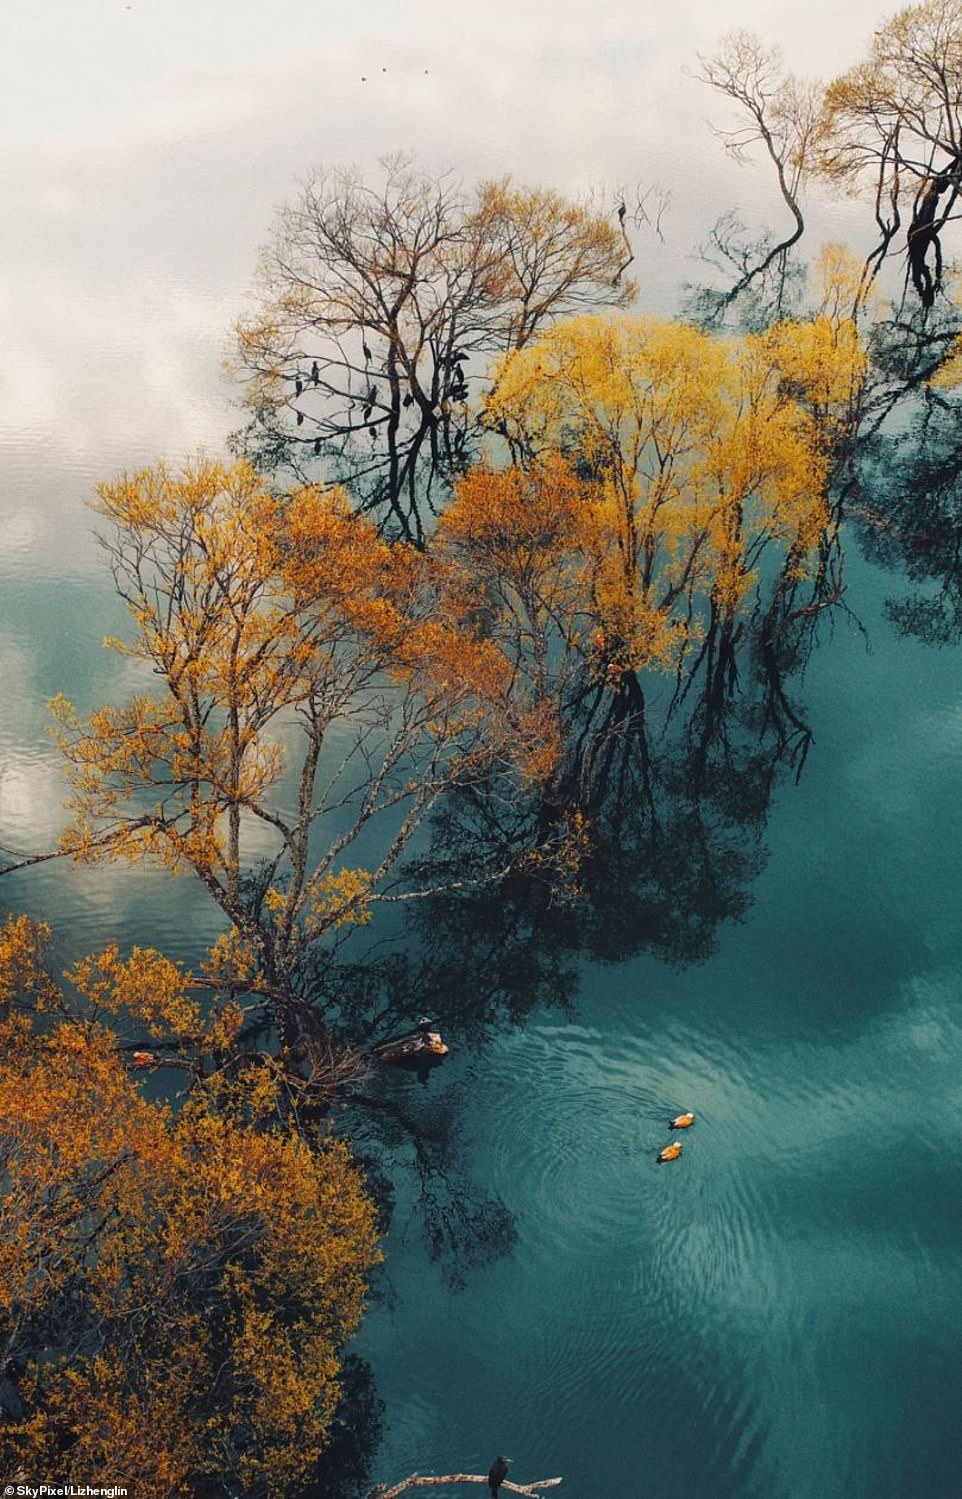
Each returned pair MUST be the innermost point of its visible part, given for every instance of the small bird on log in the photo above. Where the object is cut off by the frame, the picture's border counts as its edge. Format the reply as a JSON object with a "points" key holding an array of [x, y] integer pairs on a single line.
{"points": [[143, 1059], [670, 1153], [498, 1473], [682, 1121]]}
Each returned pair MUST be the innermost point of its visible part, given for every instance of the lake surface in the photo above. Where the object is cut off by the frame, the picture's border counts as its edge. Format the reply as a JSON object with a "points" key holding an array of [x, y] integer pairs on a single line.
{"points": [[777, 1314]]}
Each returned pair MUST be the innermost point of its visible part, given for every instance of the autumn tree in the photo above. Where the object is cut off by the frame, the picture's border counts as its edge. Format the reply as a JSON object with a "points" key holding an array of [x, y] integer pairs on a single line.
{"points": [[381, 307], [517, 540], [893, 123], [176, 1285], [651, 563], [314, 701], [700, 456]]}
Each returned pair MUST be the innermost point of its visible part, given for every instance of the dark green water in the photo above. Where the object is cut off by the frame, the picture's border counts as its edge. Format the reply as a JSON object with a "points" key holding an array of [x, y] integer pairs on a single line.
{"points": [[775, 1314]]}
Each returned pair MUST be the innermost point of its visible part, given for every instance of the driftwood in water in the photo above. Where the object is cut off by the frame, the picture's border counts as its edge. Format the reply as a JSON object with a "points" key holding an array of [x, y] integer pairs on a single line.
{"points": [[422, 1048], [415, 1481]]}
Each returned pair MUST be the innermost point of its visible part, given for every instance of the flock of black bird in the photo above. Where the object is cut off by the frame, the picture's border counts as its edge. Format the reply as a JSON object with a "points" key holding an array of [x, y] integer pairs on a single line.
{"points": [[384, 70]]}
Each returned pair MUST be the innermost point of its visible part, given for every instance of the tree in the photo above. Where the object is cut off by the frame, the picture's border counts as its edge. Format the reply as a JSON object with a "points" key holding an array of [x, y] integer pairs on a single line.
{"points": [[381, 307], [700, 455], [176, 1285], [781, 113], [281, 625], [895, 121], [666, 521], [517, 541]]}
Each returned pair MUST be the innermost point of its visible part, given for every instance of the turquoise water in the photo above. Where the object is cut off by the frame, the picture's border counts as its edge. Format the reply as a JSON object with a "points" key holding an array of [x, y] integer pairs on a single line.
{"points": [[776, 1313]]}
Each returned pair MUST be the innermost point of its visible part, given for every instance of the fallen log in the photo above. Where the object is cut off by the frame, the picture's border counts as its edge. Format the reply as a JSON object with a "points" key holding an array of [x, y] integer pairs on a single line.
{"points": [[416, 1481]]}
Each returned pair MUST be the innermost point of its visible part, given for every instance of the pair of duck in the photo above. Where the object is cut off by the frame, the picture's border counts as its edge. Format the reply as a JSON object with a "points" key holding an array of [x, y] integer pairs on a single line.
{"points": [[673, 1151]]}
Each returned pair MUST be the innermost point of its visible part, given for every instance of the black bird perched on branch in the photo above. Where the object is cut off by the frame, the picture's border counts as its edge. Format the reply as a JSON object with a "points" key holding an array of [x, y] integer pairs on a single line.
{"points": [[498, 1473], [315, 373]]}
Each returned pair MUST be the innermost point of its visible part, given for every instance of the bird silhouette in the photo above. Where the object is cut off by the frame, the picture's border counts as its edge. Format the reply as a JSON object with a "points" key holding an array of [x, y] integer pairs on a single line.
{"points": [[497, 1473], [315, 372]]}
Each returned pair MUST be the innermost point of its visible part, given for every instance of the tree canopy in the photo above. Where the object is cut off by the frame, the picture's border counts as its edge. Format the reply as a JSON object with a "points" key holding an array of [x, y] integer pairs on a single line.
{"points": [[382, 304], [891, 124], [696, 454], [314, 700], [177, 1283]]}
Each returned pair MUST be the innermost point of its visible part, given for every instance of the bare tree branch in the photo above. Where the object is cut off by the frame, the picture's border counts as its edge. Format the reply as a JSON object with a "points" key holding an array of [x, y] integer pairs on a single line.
{"points": [[415, 1481]]}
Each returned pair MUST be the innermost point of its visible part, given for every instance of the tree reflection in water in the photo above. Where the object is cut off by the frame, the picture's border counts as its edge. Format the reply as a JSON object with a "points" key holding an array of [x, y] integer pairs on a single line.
{"points": [[911, 520], [663, 795]]}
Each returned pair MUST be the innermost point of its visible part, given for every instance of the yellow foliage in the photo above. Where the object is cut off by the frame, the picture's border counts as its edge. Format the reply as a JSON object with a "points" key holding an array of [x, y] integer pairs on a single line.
{"points": [[253, 608], [176, 1286], [342, 898], [23, 945], [696, 454], [146, 985], [233, 961]]}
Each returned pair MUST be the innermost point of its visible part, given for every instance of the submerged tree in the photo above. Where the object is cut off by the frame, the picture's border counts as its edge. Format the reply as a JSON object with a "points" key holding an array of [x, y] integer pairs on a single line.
{"points": [[665, 535], [892, 123], [700, 456], [381, 306], [781, 114], [282, 627], [895, 122], [176, 1285]]}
